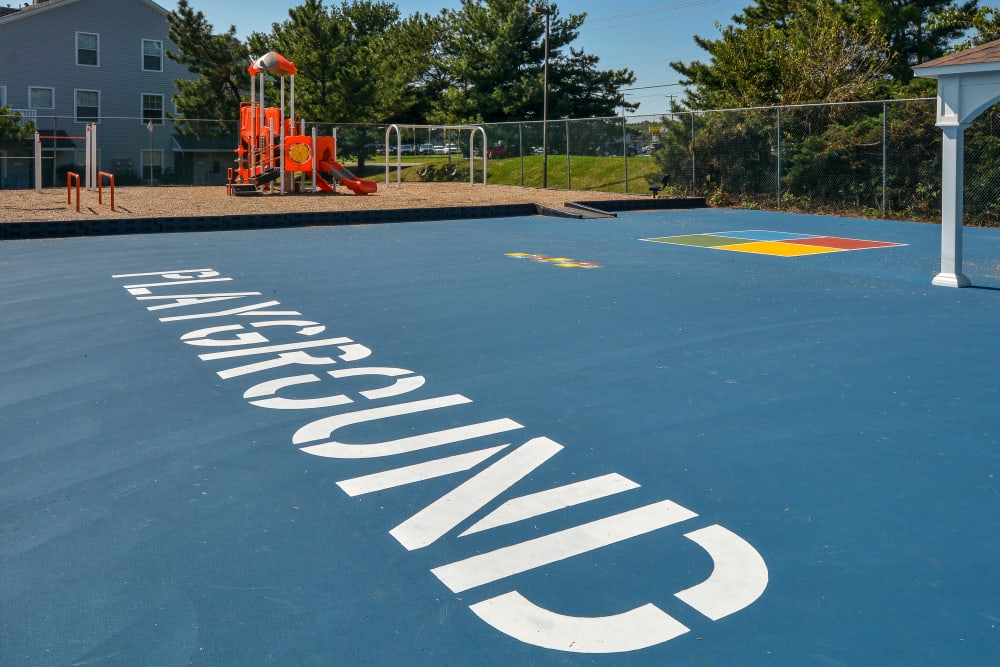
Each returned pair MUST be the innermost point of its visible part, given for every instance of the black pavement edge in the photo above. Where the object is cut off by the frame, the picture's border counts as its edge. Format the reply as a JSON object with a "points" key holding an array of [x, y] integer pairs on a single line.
{"points": [[212, 223]]}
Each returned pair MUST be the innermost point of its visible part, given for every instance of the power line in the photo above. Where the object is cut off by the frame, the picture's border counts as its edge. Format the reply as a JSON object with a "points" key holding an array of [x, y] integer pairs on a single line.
{"points": [[662, 85]]}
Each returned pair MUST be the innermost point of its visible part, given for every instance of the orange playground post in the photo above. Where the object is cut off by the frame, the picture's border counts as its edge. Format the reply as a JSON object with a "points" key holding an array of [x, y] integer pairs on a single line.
{"points": [[100, 184], [70, 177]]}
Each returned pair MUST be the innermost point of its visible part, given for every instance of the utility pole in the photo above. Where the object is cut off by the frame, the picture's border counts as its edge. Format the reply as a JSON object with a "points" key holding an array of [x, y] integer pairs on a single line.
{"points": [[545, 95]]}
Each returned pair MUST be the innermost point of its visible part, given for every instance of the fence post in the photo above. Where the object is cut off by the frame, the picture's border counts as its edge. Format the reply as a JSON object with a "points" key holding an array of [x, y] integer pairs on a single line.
{"points": [[779, 157], [520, 148], [569, 175], [693, 191], [88, 182], [625, 151], [885, 154], [38, 162]]}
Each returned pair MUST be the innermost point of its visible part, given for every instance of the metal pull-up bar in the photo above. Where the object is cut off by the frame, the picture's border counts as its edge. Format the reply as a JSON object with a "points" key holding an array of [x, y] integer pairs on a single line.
{"points": [[90, 171]]}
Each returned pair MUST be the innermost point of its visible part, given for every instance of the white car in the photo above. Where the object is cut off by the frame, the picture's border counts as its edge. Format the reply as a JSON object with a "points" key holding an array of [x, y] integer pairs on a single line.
{"points": [[404, 149], [446, 149]]}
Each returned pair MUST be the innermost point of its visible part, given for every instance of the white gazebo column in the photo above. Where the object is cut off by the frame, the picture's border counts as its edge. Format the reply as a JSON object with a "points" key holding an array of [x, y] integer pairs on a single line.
{"points": [[952, 194], [968, 83]]}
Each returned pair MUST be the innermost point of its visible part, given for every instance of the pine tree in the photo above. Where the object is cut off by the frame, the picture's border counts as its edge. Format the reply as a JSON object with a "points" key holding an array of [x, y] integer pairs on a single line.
{"points": [[206, 105], [493, 53]]}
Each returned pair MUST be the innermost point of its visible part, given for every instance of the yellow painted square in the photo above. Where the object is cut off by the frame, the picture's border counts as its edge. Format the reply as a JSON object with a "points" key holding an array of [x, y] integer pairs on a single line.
{"points": [[776, 248]]}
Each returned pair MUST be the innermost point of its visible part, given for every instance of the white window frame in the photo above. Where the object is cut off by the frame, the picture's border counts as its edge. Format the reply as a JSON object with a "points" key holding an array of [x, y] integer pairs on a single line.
{"points": [[97, 50], [142, 54], [76, 106], [52, 94], [142, 108]]}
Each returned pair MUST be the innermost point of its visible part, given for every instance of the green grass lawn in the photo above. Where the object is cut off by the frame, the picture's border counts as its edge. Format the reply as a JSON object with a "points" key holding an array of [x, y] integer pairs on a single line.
{"points": [[584, 172]]}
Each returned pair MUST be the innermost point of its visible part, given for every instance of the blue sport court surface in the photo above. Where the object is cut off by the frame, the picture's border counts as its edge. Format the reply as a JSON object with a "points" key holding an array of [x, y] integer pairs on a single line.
{"points": [[514, 441]]}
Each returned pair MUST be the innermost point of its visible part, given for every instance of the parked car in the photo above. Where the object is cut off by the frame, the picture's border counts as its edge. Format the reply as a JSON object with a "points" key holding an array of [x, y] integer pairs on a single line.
{"points": [[404, 149], [615, 148], [425, 149], [655, 146], [497, 151]]}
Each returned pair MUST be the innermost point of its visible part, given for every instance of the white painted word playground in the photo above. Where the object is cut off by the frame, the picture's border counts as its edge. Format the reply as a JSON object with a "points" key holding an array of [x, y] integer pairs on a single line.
{"points": [[246, 337]]}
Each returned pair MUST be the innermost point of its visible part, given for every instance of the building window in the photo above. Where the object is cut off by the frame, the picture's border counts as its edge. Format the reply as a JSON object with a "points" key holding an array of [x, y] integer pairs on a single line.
{"points": [[88, 106], [87, 49], [152, 55], [152, 164], [41, 98], [3, 96], [152, 109]]}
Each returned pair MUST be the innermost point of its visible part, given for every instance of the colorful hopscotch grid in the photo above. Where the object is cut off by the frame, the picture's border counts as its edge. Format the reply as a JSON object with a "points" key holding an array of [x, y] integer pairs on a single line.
{"points": [[564, 262], [764, 242]]}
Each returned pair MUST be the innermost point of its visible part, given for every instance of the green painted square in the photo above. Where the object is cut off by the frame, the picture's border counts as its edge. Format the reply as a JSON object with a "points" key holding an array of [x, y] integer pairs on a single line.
{"points": [[702, 240]]}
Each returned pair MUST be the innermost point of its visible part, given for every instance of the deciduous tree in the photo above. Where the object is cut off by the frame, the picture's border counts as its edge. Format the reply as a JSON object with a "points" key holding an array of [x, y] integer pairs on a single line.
{"points": [[810, 52], [11, 127]]}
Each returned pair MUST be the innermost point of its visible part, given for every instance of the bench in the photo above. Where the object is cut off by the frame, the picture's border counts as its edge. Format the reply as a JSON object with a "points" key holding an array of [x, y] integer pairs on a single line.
{"points": [[655, 188]]}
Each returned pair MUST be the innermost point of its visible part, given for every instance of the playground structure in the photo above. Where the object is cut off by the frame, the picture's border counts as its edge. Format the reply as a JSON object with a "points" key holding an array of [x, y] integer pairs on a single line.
{"points": [[273, 148], [90, 151], [73, 178]]}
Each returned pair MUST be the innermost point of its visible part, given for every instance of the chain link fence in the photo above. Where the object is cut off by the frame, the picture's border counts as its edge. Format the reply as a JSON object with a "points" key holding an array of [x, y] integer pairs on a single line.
{"points": [[874, 159]]}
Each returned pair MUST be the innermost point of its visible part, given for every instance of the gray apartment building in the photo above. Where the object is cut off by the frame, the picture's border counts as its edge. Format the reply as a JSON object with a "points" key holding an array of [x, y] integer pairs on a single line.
{"points": [[68, 63]]}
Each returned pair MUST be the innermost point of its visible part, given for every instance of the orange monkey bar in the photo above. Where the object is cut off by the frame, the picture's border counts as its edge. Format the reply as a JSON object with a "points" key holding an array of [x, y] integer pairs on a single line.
{"points": [[70, 176], [100, 184]]}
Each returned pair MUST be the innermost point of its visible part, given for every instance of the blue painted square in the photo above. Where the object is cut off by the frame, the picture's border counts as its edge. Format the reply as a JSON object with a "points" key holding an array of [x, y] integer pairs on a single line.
{"points": [[763, 235]]}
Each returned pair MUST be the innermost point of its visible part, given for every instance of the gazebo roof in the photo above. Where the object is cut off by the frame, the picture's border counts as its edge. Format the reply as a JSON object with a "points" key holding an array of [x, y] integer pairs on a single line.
{"points": [[982, 58]]}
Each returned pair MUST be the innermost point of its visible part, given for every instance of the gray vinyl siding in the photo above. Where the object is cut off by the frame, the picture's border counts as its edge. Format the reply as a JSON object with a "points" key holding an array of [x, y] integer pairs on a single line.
{"points": [[38, 48]]}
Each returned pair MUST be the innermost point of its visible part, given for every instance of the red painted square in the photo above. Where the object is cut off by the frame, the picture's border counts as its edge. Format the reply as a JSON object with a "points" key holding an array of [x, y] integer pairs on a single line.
{"points": [[837, 242]]}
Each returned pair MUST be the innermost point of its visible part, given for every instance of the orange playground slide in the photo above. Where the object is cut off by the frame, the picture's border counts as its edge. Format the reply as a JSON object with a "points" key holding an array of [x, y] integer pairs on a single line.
{"points": [[347, 179], [326, 164]]}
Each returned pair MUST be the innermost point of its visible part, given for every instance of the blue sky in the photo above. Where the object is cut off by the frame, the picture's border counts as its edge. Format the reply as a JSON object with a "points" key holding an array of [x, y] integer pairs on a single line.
{"points": [[642, 35]]}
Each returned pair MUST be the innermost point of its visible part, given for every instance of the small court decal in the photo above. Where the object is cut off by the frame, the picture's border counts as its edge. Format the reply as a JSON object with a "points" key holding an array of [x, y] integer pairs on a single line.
{"points": [[564, 262], [765, 242]]}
